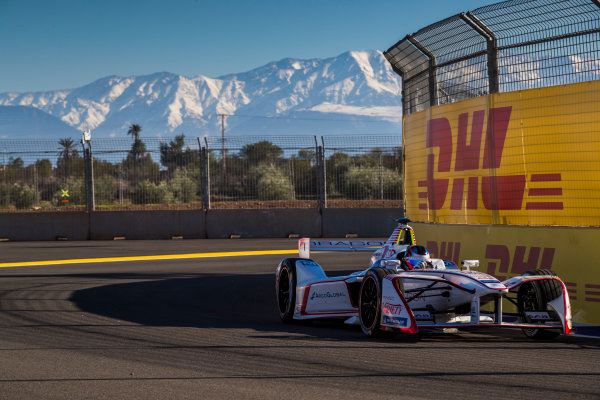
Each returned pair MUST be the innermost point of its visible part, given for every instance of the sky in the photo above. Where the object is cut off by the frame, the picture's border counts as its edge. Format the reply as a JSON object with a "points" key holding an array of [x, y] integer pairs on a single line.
{"points": [[64, 44]]}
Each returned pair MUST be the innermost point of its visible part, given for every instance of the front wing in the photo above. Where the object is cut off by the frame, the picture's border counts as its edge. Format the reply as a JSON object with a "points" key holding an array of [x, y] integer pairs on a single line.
{"points": [[397, 315], [332, 298]]}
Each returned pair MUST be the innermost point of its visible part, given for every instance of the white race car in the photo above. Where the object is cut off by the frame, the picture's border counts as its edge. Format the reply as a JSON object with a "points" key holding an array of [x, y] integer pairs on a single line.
{"points": [[404, 290]]}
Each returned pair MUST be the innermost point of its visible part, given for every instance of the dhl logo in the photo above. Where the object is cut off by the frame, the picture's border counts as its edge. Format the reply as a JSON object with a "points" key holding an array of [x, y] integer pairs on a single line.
{"points": [[503, 262], [498, 192]]}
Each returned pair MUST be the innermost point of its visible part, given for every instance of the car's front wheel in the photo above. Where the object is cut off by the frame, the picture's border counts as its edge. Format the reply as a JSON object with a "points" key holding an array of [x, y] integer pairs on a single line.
{"points": [[533, 296], [369, 304], [286, 289]]}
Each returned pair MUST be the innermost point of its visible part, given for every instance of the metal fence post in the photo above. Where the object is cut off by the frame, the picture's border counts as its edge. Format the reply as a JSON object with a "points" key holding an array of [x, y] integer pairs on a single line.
{"points": [[492, 48], [205, 173], [381, 175], [321, 178], [432, 70], [86, 142]]}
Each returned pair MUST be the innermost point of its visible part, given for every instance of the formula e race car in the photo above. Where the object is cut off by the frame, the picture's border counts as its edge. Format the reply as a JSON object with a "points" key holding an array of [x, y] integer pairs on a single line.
{"points": [[405, 290]]}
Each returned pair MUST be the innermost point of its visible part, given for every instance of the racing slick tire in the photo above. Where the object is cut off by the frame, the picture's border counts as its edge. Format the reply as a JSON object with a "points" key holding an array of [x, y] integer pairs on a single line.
{"points": [[286, 289], [533, 296], [369, 303]]}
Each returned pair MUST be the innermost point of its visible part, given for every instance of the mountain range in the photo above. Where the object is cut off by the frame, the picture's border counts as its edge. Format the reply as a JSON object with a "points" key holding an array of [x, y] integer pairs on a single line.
{"points": [[354, 93]]}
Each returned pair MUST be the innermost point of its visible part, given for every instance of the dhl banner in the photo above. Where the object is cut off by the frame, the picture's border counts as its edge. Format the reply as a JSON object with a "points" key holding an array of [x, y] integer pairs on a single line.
{"points": [[529, 157], [506, 251]]}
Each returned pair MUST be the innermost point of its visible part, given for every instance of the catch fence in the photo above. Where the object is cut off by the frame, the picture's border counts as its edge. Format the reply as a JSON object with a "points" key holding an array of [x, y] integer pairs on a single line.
{"points": [[503, 47], [510, 132], [200, 173]]}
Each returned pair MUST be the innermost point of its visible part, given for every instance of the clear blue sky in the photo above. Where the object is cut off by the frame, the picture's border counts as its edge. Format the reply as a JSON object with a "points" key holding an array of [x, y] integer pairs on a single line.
{"points": [[61, 44]]}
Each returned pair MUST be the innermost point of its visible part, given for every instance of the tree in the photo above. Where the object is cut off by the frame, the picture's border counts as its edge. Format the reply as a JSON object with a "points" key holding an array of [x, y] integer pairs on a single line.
{"points": [[261, 152], [69, 162], [138, 149], [68, 150], [173, 155], [16, 162], [44, 168], [134, 131], [271, 182]]}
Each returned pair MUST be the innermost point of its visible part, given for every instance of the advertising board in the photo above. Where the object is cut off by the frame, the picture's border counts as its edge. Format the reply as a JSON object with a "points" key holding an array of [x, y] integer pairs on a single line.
{"points": [[528, 157], [506, 251]]}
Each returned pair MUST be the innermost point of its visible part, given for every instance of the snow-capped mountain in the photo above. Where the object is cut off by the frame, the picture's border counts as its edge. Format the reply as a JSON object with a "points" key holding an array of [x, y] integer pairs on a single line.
{"points": [[356, 92]]}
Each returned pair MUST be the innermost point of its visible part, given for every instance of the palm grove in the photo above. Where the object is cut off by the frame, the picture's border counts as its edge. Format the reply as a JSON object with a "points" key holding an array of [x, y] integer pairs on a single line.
{"points": [[257, 171]]}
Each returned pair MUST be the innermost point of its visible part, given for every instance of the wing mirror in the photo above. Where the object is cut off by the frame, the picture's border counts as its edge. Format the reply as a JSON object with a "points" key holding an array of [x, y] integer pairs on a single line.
{"points": [[468, 264]]}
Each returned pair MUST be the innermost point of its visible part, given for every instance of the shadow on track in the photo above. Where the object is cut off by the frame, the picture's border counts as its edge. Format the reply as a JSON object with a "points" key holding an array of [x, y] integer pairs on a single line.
{"points": [[199, 300], [204, 301], [235, 301]]}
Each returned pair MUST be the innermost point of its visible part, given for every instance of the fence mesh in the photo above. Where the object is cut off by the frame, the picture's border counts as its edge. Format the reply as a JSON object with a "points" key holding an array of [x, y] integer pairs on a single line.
{"points": [[41, 174], [516, 157], [512, 45], [206, 172], [367, 171]]}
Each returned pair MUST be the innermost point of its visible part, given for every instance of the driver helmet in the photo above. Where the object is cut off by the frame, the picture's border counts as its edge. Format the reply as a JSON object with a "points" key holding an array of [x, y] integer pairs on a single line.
{"points": [[416, 254]]}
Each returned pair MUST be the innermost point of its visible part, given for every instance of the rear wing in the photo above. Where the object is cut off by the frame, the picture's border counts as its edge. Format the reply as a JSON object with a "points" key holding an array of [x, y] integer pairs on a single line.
{"points": [[305, 245]]}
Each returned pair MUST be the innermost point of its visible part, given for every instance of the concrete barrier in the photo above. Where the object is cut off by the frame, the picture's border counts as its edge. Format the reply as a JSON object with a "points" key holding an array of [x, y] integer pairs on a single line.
{"points": [[147, 224], [72, 225], [364, 222], [263, 223], [505, 251], [212, 224]]}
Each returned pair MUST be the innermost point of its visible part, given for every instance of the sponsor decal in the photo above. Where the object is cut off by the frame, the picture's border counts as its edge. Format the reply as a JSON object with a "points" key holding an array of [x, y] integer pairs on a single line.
{"points": [[422, 314], [345, 244], [326, 295], [395, 321], [498, 192], [309, 263], [391, 308], [388, 252], [523, 259], [592, 293], [538, 315], [501, 259]]}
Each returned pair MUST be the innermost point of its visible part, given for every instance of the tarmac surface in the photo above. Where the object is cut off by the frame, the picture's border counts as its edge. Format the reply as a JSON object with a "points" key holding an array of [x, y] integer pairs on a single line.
{"points": [[209, 328]]}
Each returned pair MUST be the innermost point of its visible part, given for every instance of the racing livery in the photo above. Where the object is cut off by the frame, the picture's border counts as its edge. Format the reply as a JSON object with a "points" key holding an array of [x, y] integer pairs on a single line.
{"points": [[404, 290]]}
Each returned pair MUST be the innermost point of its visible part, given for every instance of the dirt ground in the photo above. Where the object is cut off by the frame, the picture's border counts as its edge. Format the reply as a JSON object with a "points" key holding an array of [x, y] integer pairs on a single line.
{"points": [[247, 204]]}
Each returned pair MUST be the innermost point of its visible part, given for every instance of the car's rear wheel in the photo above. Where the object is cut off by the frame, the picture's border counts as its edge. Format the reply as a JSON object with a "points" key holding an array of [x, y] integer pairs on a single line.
{"points": [[533, 296], [369, 308], [286, 289]]}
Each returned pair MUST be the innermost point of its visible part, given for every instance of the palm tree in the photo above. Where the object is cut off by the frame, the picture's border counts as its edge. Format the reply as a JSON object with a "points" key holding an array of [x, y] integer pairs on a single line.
{"points": [[68, 149], [134, 131], [69, 163], [137, 149]]}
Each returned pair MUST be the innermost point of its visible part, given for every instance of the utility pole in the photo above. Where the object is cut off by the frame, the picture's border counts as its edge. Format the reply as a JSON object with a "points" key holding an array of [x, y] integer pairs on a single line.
{"points": [[223, 139]]}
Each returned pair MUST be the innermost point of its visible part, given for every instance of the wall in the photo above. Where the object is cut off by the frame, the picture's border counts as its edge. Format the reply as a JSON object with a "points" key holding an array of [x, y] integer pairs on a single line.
{"points": [[505, 251], [248, 223], [528, 157]]}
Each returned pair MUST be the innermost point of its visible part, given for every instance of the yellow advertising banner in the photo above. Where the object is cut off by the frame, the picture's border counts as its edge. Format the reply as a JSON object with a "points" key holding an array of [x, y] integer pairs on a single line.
{"points": [[506, 251], [529, 157]]}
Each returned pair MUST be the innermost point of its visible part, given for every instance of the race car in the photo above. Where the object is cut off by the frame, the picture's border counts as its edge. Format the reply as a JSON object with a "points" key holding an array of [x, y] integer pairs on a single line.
{"points": [[405, 290]]}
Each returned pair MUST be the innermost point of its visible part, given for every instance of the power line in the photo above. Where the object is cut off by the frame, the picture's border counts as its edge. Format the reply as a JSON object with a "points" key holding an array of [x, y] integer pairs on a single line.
{"points": [[306, 119]]}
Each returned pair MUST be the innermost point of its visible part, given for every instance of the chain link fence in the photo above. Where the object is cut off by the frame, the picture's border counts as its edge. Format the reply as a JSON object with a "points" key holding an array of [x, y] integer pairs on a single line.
{"points": [[524, 148], [503, 47], [201, 173], [41, 174]]}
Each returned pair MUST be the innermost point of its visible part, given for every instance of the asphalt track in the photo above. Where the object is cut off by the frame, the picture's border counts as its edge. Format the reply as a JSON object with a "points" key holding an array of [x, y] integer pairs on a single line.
{"points": [[208, 328]]}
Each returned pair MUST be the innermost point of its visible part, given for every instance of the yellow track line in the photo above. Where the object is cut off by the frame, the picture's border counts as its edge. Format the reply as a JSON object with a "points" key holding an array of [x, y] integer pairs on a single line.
{"points": [[141, 258]]}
